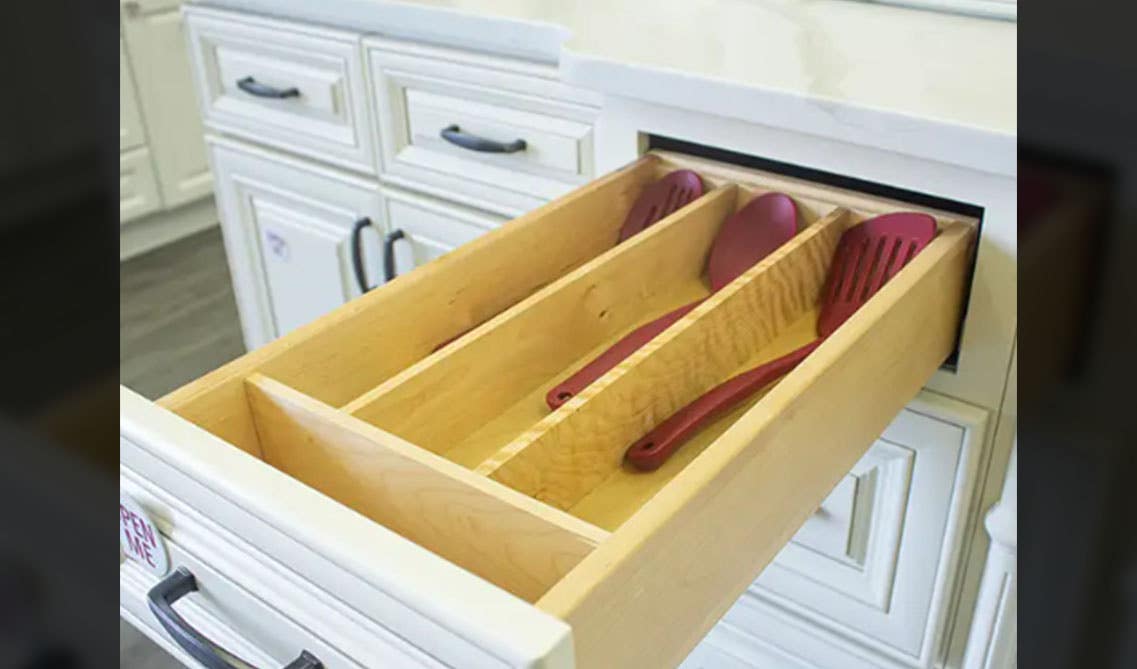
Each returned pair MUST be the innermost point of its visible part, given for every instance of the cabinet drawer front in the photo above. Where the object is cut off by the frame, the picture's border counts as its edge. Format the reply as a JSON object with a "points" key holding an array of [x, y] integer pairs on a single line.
{"points": [[514, 137], [245, 601], [420, 407], [293, 87], [429, 228], [137, 185]]}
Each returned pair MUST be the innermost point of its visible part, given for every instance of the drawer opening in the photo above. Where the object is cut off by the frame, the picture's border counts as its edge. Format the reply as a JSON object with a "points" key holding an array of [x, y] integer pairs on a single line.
{"points": [[470, 401], [854, 189]]}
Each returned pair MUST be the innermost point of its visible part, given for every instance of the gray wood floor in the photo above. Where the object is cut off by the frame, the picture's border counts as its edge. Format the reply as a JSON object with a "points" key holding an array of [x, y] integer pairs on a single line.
{"points": [[177, 320]]}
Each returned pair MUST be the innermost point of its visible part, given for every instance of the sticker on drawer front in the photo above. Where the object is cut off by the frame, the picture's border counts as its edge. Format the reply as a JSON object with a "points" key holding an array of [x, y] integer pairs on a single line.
{"points": [[139, 537]]}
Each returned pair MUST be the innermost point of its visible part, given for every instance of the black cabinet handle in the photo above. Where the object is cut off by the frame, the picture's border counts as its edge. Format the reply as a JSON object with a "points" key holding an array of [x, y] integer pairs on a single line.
{"points": [[254, 87], [389, 252], [180, 583], [357, 253], [454, 135]]}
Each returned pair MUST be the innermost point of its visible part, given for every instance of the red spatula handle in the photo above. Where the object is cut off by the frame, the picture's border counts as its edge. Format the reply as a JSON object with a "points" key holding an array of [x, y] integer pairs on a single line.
{"points": [[630, 343], [653, 449]]}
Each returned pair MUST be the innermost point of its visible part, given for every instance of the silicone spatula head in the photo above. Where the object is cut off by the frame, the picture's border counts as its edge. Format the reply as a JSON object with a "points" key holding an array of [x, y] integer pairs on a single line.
{"points": [[749, 235], [867, 256], [660, 199]]}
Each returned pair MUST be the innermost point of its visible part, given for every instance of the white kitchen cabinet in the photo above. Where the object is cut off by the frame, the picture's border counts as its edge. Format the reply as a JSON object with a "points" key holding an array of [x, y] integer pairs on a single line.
{"points": [[137, 186], [130, 131], [156, 46], [165, 186], [288, 228]]}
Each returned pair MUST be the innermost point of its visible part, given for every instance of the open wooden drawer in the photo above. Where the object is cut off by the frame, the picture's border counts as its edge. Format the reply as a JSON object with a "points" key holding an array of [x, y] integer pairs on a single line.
{"points": [[436, 495]]}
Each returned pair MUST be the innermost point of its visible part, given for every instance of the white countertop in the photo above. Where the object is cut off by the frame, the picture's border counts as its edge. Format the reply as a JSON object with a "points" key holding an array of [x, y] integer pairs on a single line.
{"points": [[923, 83]]}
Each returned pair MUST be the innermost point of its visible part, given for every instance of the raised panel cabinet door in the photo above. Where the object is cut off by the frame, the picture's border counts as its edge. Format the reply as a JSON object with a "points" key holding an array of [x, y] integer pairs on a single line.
{"points": [[130, 132], [288, 229], [423, 228], [872, 574], [303, 259], [157, 50]]}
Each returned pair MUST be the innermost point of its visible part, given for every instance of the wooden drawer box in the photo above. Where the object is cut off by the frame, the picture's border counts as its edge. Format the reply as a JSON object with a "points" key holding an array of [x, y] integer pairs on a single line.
{"points": [[436, 493]]}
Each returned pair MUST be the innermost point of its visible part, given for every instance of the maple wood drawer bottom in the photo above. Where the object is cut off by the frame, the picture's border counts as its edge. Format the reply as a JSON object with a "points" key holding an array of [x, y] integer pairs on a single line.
{"points": [[497, 529]]}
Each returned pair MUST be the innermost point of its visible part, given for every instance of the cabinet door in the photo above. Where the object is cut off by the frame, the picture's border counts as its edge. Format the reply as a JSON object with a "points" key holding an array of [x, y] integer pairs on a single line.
{"points": [[157, 50], [425, 228], [288, 228], [130, 133], [869, 575]]}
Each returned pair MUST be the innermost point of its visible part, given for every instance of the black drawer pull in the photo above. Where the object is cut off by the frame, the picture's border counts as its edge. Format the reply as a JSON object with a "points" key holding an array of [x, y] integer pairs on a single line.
{"points": [[254, 87], [455, 136], [180, 583], [389, 252], [357, 253]]}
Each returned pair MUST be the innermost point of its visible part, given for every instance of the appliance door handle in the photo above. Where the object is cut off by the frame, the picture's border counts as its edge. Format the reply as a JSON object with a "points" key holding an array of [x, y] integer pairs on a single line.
{"points": [[180, 583], [254, 87], [454, 135]]}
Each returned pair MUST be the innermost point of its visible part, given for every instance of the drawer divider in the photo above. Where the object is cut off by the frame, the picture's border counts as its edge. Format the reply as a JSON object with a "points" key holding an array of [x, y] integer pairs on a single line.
{"points": [[769, 308], [493, 531]]}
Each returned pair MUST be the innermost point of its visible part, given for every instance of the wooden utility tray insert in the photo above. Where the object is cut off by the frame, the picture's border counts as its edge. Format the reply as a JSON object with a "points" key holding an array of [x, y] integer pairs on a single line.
{"points": [[457, 451]]}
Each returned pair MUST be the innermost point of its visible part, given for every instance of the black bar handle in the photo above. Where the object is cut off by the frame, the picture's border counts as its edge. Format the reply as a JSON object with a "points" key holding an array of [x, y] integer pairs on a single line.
{"points": [[357, 253], [254, 87], [180, 583], [389, 252], [454, 135]]}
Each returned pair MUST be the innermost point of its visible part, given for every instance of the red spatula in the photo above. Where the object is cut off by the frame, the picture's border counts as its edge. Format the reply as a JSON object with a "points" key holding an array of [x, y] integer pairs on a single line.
{"points": [[867, 256], [749, 235], [657, 201], [661, 199]]}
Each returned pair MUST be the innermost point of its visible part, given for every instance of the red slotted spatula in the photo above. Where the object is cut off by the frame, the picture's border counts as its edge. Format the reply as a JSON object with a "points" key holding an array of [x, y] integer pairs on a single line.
{"points": [[867, 256], [749, 235], [661, 199], [657, 201]]}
